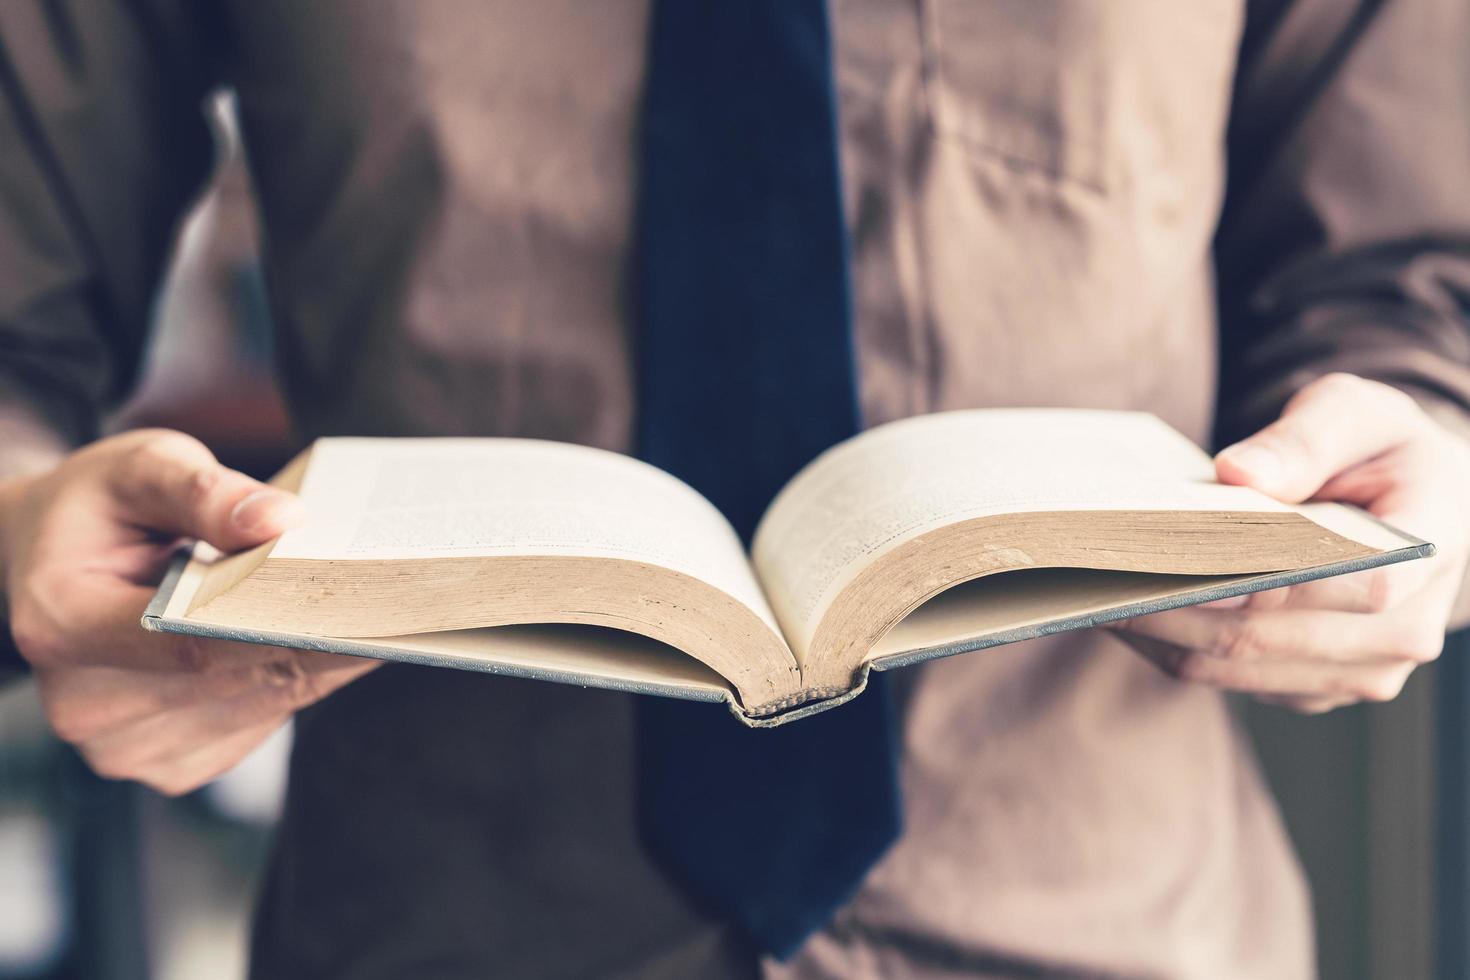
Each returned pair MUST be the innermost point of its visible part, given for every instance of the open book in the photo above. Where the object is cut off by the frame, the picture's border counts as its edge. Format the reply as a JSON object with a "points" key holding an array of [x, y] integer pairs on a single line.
{"points": [[923, 538]]}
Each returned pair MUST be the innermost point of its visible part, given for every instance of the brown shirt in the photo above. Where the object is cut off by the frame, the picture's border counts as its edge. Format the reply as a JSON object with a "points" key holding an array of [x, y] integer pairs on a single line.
{"points": [[1035, 191]]}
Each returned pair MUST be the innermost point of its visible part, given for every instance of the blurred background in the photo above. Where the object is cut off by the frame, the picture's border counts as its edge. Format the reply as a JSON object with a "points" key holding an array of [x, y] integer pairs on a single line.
{"points": [[109, 881]]}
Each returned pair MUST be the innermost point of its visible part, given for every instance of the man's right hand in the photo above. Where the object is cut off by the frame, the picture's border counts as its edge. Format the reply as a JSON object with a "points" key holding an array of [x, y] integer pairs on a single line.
{"points": [[82, 548]]}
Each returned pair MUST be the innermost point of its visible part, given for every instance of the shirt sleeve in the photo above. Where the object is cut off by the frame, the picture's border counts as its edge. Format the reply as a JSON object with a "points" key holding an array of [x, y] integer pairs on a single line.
{"points": [[1345, 239], [103, 143]]}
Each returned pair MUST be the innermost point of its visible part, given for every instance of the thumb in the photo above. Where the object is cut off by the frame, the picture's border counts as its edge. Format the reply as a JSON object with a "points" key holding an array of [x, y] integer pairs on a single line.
{"points": [[169, 482], [1332, 424]]}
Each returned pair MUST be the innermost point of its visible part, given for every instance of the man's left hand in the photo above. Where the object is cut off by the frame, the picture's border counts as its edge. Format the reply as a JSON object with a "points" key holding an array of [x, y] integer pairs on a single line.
{"points": [[1323, 644]]}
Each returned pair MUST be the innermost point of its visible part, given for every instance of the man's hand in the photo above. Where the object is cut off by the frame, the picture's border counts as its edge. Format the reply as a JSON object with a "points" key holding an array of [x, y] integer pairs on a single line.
{"points": [[82, 548], [1320, 645]]}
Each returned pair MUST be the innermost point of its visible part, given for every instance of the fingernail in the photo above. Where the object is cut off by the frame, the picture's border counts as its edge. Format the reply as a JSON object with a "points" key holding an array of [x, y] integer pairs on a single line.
{"points": [[267, 509], [1229, 602], [1261, 463]]}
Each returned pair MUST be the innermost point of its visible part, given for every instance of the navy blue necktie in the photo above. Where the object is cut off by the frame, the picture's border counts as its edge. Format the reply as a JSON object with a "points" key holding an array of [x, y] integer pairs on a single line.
{"points": [[745, 373]]}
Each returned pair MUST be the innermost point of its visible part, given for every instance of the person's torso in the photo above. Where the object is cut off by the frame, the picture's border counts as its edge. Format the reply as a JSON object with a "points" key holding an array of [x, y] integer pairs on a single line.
{"points": [[1032, 188]]}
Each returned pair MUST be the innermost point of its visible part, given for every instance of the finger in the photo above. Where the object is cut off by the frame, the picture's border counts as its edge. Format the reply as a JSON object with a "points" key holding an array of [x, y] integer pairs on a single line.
{"points": [[1376, 590], [1306, 704], [1330, 425], [99, 626], [142, 562], [169, 482], [1268, 599], [1373, 590], [1320, 683], [1164, 656], [1335, 637], [189, 771], [133, 748], [83, 704]]}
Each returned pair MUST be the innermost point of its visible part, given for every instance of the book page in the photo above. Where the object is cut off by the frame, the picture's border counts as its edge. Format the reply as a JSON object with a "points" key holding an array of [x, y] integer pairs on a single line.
{"points": [[386, 499], [891, 484]]}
